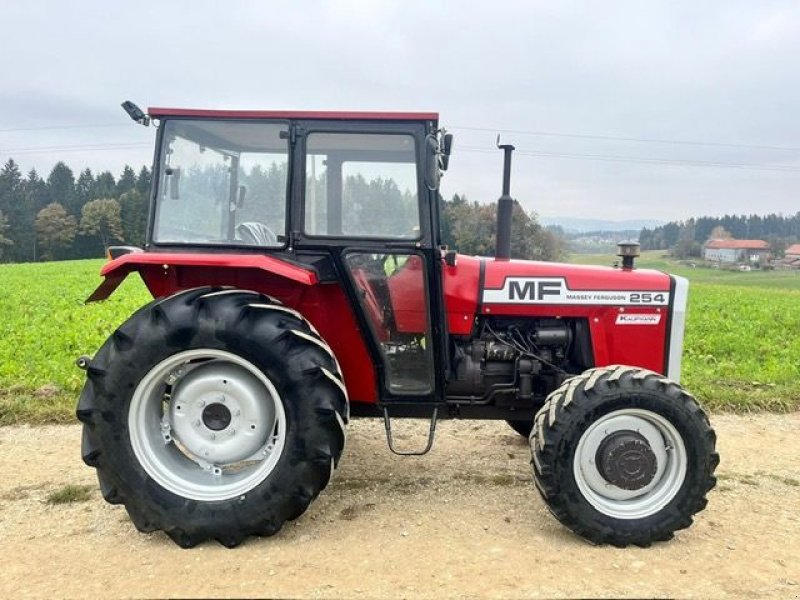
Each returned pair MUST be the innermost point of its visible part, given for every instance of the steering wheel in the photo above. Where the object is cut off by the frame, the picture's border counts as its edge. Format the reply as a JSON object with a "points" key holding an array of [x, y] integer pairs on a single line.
{"points": [[254, 233]]}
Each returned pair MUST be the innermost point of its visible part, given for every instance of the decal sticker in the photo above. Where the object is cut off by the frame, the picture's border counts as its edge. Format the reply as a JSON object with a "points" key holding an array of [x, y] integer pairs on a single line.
{"points": [[640, 319], [554, 290]]}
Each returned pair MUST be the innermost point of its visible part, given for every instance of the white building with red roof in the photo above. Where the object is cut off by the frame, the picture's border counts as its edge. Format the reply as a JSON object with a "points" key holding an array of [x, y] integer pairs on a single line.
{"points": [[792, 252], [736, 251], [791, 258]]}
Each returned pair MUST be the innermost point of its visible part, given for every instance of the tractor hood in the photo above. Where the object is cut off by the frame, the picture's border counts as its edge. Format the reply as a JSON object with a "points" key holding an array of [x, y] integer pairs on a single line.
{"points": [[634, 316], [529, 282]]}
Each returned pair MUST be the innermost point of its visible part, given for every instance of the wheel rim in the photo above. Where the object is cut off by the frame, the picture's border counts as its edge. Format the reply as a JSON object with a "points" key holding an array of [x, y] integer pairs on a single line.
{"points": [[207, 425], [667, 447]]}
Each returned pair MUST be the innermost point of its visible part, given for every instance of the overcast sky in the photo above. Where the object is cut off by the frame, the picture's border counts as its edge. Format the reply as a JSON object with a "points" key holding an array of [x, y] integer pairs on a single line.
{"points": [[718, 72]]}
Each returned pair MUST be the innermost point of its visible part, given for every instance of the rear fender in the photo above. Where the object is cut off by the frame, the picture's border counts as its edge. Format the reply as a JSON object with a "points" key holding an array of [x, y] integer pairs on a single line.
{"points": [[166, 273]]}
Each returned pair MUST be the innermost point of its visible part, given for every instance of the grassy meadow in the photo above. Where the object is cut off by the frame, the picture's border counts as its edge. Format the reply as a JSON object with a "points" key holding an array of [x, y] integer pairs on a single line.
{"points": [[742, 349], [45, 326]]}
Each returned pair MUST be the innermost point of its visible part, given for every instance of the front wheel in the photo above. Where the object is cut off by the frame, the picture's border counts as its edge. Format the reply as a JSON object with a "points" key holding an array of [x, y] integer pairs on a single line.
{"points": [[622, 455], [215, 413]]}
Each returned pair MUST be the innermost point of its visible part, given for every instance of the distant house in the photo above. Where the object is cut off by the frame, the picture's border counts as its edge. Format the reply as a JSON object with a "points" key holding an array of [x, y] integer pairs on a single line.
{"points": [[736, 251], [793, 252], [791, 258]]}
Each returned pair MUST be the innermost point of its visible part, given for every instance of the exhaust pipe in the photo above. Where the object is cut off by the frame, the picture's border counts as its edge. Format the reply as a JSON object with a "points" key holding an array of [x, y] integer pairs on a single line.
{"points": [[505, 206]]}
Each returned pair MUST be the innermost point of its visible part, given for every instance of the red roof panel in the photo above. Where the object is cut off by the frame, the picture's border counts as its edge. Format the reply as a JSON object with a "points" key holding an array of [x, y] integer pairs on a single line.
{"points": [[737, 244], [158, 112], [793, 249]]}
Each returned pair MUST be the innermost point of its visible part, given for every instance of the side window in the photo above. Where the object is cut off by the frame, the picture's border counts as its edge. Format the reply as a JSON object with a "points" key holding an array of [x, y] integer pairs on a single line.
{"points": [[362, 185]]}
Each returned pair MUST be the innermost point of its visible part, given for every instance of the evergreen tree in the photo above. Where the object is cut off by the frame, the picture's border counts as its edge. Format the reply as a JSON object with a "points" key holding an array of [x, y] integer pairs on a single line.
{"points": [[36, 191], [84, 187], [4, 241], [143, 182], [126, 181], [133, 214], [104, 186], [18, 213], [61, 188]]}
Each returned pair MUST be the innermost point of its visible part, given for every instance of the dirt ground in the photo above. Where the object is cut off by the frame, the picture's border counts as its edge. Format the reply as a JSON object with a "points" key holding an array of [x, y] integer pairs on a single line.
{"points": [[463, 521]]}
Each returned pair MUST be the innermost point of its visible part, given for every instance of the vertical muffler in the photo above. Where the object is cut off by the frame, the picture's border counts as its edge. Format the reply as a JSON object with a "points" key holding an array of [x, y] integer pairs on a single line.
{"points": [[505, 207]]}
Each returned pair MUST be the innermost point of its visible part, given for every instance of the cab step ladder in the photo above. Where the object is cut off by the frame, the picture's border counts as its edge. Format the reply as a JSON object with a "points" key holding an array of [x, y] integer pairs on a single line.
{"points": [[387, 422]]}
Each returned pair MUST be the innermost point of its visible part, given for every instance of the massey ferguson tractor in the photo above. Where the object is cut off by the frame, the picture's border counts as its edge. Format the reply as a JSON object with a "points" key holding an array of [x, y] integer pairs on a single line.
{"points": [[299, 281]]}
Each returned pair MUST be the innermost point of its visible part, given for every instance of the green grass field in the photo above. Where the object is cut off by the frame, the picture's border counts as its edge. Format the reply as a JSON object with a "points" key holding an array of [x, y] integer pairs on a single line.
{"points": [[45, 326], [742, 348]]}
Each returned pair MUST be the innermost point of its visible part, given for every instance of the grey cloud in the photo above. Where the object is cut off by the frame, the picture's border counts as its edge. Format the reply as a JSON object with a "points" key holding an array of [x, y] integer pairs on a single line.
{"points": [[714, 71]]}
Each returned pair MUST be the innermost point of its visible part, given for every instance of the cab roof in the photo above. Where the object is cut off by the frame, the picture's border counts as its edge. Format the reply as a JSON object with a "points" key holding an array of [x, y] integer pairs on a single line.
{"points": [[159, 112]]}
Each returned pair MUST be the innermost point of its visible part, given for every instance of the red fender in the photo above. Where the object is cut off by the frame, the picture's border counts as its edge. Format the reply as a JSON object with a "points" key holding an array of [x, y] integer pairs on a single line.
{"points": [[159, 270]]}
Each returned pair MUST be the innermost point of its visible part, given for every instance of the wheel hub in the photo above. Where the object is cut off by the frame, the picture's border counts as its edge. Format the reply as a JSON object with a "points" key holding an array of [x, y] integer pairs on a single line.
{"points": [[626, 460], [216, 416], [219, 414], [630, 463]]}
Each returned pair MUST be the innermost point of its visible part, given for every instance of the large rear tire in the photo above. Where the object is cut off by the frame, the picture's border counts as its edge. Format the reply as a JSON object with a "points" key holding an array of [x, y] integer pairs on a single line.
{"points": [[622, 455], [214, 413]]}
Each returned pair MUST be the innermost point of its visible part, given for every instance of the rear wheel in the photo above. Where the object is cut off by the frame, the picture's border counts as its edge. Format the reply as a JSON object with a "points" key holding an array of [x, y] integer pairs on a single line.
{"points": [[622, 455], [213, 414]]}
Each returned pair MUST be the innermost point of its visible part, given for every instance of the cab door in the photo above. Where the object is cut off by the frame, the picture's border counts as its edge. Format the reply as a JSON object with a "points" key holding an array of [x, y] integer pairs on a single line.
{"points": [[365, 202]]}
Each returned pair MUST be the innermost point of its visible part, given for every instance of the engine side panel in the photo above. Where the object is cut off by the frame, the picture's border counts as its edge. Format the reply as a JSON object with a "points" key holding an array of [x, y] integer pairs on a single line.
{"points": [[627, 310], [461, 293]]}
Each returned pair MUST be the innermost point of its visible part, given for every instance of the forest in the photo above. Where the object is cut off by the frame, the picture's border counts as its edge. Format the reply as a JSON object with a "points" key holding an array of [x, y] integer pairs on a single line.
{"points": [[67, 217], [685, 238], [64, 217]]}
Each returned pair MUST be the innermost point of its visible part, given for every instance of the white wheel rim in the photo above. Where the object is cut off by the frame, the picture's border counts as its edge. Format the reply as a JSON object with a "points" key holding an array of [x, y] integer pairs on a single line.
{"points": [[671, 460], [199, 451]]}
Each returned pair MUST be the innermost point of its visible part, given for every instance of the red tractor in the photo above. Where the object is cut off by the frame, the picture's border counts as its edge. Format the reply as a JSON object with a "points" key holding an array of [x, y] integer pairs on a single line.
{"points": [[299, 280]]}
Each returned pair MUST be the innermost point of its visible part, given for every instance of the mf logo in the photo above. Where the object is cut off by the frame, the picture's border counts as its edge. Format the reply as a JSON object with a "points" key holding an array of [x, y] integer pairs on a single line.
{"points": [[534, 289], [528, 290]]}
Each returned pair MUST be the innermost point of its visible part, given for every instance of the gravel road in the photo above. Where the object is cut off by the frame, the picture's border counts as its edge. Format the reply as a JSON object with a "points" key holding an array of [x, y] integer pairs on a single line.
{"points": [[463, 521]]}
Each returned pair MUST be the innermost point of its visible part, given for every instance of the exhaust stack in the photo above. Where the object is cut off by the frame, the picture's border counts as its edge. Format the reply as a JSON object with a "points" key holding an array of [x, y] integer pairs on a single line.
{"points": [[505, 206]]}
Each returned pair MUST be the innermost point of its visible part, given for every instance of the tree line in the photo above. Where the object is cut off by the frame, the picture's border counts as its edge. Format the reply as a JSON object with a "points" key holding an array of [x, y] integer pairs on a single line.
{"points": [[470, 228], [64, 217], [686, 238]]}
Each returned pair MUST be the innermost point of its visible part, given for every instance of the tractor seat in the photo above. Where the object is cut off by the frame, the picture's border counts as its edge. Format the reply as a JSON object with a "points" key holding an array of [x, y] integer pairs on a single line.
{"points": [[254, 233], [372, 306]]}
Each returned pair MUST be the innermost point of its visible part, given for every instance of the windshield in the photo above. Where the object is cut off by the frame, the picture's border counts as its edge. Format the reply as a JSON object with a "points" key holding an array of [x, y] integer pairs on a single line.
{"points": [[222, 182]]}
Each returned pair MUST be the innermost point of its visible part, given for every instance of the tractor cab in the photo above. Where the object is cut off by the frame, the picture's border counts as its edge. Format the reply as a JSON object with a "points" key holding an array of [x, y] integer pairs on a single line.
{"points": [[350, 197]]}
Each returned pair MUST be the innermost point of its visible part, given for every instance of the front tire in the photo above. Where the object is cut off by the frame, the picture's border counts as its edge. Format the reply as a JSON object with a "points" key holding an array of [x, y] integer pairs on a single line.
{"points": [[214, 413], [622, 455]]}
